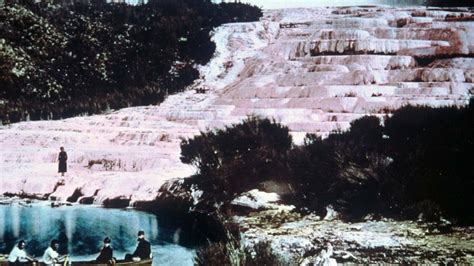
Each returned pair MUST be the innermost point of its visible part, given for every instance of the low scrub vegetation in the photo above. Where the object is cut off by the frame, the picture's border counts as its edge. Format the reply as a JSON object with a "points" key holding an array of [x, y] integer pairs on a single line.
{"points": [[230, 251], [417, 163]]}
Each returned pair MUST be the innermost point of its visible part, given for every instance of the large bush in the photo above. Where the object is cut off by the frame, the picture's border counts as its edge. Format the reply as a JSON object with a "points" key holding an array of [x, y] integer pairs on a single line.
{"points": [[60, 61], [432, 151], [418, 162], [233, 159], [342, 169]]}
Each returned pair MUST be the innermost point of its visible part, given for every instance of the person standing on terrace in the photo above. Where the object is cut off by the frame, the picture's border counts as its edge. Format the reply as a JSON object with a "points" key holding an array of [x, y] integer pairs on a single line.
{"points": [[62, 159]]}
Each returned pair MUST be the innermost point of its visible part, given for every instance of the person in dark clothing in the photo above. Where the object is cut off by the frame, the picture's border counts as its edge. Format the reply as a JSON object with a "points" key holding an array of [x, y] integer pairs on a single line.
{"points": [[106, 254], [143, 250], [62, 158]]}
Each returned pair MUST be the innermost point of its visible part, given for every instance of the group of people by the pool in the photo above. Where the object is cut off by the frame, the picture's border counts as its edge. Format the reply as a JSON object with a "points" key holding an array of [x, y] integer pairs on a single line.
{"points": [[18, 255]]}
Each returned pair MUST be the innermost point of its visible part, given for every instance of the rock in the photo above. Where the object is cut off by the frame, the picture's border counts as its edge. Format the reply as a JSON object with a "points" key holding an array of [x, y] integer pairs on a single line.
{"points": [[86, 200], [324, 259], [174, 194], [259, 200], [369, 217], [118, 202], [56, 204], [347, 255], [307, 261], [279, 187], [331, 214], [415, 233]]}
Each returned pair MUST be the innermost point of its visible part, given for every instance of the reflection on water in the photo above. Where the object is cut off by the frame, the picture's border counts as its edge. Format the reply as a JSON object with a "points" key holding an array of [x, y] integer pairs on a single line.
{"points": [[81, 229]]}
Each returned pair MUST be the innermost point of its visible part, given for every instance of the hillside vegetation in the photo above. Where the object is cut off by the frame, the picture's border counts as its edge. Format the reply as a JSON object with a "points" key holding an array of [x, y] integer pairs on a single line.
{"points": [[61, 61], [414, 165]]}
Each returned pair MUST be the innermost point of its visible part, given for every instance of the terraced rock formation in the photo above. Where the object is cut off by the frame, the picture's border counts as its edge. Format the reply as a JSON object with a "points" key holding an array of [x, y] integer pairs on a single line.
{"points": [[326, 67], [314, 70]]}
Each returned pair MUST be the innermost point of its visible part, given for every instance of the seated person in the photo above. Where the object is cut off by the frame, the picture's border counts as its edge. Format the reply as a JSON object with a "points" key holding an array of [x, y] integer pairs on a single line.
{"points": [[143, 250], [18, 255], [51, 255], [106, 254]]}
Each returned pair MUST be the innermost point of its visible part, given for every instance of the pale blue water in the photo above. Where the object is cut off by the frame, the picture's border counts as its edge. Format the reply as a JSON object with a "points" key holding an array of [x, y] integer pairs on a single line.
{"points": [[81, 229]]}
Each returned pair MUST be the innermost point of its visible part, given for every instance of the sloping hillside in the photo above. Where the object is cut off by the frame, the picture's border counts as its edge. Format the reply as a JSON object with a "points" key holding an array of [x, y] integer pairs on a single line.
{"points": [[63, 61]]}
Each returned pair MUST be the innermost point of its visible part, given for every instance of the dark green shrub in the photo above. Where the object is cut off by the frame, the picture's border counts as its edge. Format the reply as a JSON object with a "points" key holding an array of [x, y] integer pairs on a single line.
{"points": [[228, 251], [425, 210], [237, 157], [342, 170], [314, 168], [432, 157], [219, 253], [421, 155]]}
